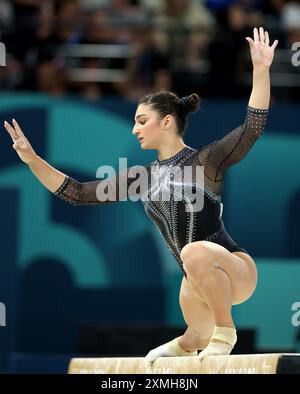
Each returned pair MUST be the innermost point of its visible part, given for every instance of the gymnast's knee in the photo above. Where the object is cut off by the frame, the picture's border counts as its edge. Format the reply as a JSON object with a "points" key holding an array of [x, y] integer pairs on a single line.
{"points": [[197, 261]]}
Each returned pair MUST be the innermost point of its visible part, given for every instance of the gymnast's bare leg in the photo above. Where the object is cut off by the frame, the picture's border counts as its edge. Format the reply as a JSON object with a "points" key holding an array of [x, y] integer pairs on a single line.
{"points": [[198, 317], [219, 279]]}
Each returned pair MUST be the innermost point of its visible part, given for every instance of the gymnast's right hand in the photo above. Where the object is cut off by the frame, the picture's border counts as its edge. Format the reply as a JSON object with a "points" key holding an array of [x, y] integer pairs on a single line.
{"points": [[20, 142], [169, 349]]}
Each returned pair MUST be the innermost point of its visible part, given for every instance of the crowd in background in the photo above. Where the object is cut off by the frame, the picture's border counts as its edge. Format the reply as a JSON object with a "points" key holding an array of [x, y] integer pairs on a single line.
{"points": [[181, 45]]}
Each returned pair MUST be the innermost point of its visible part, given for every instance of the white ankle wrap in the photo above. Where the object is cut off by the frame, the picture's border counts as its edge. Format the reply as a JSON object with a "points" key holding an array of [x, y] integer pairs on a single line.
{"points": [[174, 345], [225, 334]]}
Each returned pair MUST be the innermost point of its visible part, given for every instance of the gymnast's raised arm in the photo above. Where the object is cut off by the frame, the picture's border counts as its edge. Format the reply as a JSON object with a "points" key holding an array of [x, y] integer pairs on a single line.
{"points": [[235, 145], [63, 186]]}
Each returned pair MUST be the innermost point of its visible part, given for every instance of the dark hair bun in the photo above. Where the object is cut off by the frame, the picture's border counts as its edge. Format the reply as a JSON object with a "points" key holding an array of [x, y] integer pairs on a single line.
{"points": [[190, 103]]}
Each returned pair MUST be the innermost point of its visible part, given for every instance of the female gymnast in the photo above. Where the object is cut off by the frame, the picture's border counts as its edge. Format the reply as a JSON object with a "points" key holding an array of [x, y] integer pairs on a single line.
{"points": [[217, 273]]}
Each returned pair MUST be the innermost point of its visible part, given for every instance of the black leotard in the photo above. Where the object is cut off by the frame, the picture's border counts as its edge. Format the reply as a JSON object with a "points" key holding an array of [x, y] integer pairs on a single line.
{"points": [[178, 225]]}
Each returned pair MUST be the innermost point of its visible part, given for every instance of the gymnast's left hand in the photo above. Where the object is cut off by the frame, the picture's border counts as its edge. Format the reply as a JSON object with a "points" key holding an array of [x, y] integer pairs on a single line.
{"points": [[262, 53]]}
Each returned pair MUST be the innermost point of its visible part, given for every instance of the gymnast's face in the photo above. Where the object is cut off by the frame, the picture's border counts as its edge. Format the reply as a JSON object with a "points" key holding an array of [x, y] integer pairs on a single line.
{"points": [[148, 127]]}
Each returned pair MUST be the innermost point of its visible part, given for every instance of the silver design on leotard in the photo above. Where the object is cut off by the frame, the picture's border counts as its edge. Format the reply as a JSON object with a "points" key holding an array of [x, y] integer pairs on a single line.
{"points": [[165, 214]]}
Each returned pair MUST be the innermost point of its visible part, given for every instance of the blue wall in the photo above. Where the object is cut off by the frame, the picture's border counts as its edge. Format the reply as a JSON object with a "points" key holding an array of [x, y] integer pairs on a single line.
{"points": [[62, 266]]}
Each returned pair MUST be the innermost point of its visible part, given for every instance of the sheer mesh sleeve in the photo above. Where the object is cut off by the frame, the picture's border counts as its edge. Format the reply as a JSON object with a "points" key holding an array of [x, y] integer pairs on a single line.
{"points": [[105, 191], [234, 146]]}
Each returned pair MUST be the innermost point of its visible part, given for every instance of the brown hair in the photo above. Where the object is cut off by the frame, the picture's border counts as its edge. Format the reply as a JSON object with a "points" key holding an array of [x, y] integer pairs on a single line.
{"points": [[168, 103]]}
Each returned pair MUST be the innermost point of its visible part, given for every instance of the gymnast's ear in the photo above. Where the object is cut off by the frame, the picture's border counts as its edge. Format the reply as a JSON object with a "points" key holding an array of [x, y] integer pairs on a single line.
{"points": [[167, 121]]}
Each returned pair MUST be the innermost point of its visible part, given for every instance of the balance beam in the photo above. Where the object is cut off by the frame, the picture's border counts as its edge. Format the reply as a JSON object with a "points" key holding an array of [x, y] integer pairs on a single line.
{"points": [[235, 364]]}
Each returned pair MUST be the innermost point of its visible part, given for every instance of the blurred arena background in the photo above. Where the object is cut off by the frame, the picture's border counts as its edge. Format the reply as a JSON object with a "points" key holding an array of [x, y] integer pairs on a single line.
{"points": [[99, 280]]}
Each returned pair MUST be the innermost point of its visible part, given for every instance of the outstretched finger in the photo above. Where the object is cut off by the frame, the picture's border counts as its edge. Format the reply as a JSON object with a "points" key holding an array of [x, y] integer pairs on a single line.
{"points": [[251, 42], [18, 128], [274, 45], [255, 35], [261, 35], [11, 131], [267, 39]]}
